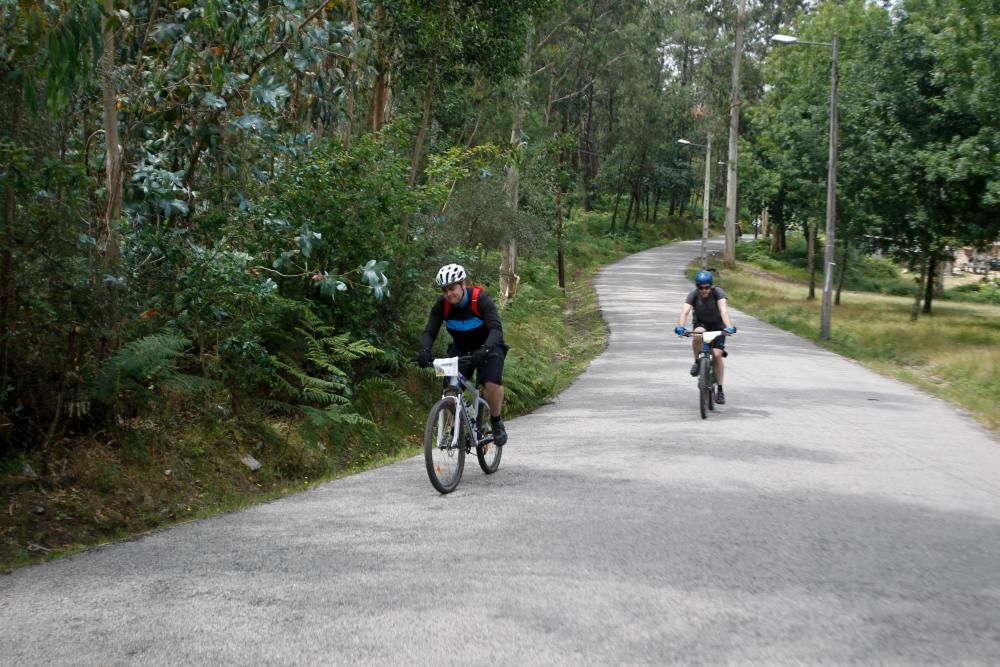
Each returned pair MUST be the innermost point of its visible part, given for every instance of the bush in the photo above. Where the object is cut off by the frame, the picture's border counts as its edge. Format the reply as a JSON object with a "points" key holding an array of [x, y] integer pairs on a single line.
{"points": [[984, 291]]}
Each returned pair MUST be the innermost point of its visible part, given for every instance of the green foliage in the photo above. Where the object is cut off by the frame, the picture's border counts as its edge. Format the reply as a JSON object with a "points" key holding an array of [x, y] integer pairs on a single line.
{"points": [[144, 367], [315, 376], [864, 272], [983, 291]]}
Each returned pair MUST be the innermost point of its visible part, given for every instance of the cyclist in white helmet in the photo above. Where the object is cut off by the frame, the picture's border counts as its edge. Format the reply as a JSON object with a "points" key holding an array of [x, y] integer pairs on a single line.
{"points": [[474, 324]]}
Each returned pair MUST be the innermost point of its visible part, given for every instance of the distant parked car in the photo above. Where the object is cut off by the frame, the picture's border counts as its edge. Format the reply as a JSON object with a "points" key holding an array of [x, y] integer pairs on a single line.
{"points": [[995, 264]]}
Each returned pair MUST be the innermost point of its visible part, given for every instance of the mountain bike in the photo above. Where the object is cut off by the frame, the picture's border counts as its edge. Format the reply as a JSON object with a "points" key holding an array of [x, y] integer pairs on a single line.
{"points": [[452, 431], [706, 370]]}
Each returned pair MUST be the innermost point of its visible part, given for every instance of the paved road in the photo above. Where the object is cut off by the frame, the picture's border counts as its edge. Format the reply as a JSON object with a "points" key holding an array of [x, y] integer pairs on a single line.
{"points": [[826, 515]]}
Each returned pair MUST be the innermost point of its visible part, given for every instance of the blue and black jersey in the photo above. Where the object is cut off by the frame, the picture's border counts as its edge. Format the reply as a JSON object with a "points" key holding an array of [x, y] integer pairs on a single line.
{"points": [[469, 330]]}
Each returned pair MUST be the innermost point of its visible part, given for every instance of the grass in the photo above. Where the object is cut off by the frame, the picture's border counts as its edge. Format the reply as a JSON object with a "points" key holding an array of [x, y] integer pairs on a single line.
{"points": [[953, 353], [159, 471]]}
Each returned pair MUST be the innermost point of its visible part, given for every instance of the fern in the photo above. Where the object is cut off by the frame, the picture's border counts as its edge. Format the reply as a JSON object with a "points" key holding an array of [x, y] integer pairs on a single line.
{"points": [[147, 356], [279, 407], [378, 390], [141, 365], [191, 384], [318, 386], [335, 414]]}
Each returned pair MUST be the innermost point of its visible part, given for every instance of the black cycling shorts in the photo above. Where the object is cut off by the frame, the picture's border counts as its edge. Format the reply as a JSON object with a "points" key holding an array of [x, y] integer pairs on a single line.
{"points": [[490, 370]]}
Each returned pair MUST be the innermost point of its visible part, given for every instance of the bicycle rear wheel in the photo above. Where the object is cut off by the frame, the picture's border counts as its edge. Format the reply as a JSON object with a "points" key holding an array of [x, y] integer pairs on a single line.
{"points": [[444, 454], [487, 453], [704, 388]]}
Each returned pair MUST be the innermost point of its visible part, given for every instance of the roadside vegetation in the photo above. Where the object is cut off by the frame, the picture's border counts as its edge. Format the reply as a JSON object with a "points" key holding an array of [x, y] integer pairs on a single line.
{"points": [[185, 460], [953, 354], [220, 219]]}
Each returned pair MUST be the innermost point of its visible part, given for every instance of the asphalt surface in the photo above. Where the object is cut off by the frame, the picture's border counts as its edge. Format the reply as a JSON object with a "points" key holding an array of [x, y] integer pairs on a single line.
{"points": [[824, 516]]}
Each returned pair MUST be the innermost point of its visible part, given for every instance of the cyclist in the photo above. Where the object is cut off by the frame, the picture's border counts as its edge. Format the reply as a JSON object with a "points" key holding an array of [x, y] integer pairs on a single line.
{"points": [[474, 324], [710, 314]]}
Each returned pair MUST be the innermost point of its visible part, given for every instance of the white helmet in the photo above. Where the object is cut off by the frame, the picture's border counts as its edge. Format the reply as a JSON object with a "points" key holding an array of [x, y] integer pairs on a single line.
{"points": [[449, 274]]}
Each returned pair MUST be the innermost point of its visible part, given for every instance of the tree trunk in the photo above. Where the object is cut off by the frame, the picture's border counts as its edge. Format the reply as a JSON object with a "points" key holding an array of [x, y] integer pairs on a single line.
{"points": [[509, 279], [843, 271], [425, 121], [378, 115], [811, 240], [932, 265], [618, 193], [587, 148], [915, 312], [729, 256], [560, 259], [113, 158], [628, 213], [7, 272], [349, 112], [113, 183]]}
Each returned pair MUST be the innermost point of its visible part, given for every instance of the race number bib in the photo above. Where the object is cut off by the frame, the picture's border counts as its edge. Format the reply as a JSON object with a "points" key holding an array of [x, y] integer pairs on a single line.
{"points": [[446, 367]]}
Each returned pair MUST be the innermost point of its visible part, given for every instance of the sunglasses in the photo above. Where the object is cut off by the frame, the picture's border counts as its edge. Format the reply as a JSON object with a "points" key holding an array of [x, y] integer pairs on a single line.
{"points": [[705, 287]]}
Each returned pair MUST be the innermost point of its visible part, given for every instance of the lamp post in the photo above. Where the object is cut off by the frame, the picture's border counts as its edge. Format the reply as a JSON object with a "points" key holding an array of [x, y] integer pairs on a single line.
{"points": [[704, 199], [831, 181]]}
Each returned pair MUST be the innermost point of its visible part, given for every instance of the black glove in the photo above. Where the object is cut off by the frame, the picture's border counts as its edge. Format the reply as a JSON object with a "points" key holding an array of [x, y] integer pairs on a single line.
{"points": [[424, 358], [479, 356]]}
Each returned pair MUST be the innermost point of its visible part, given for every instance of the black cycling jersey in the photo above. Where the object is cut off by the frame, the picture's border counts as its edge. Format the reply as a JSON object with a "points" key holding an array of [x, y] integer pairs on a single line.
{"points": [[468, 330], [706, 310]]}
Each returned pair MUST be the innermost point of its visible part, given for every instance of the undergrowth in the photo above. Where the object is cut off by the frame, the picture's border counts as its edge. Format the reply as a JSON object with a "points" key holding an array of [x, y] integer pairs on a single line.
{"points": [[192, 456]]}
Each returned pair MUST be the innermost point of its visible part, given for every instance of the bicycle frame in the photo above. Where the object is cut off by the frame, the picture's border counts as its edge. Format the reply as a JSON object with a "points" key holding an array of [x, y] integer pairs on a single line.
{"points": [[465, 393], [706, 378]]}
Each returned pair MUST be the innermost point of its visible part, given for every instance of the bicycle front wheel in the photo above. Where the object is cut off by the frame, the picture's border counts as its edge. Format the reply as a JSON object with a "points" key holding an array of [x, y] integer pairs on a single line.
{"points": [[711, 391], [704, 388], [487, 453], [444, 453]]}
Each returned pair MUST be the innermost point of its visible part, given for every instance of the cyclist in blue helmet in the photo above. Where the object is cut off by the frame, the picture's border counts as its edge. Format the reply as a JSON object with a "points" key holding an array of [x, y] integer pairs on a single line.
{"points": [[710, 314]]}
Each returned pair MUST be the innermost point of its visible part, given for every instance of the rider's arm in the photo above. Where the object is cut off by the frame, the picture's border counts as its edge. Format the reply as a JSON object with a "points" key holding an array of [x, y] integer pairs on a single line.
{"points": [[685, 311], [724, 311], [434, 321], [491, 318]]}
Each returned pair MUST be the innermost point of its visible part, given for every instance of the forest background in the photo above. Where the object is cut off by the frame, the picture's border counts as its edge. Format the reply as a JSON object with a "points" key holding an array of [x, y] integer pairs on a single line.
{"points": [[221, 219]]}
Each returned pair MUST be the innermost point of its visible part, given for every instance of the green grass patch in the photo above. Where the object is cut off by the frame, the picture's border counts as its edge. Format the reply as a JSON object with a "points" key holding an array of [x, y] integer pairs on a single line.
{"points": [[953, 354]]}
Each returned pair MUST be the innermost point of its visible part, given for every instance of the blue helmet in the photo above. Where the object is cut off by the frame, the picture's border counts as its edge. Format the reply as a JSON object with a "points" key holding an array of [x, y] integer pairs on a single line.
{"points": [[703, 278]]}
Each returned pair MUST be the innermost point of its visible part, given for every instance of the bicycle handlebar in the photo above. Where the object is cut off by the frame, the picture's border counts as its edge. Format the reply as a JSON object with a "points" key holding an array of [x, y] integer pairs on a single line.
{"points": [[720, 332]]}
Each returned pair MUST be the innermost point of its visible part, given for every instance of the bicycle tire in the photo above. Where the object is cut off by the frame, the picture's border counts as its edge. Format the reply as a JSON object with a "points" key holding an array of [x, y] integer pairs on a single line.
{"points": [[487, 453], [704, 387], [445, 462], [711, 390]]}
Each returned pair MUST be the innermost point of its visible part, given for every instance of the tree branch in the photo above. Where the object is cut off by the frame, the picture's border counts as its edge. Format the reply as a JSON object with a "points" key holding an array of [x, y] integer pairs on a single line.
{"points": [[281, 45]]}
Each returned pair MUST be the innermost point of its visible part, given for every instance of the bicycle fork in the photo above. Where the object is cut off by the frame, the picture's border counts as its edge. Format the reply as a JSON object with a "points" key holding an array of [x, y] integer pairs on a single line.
{"points": [[461, 416]]}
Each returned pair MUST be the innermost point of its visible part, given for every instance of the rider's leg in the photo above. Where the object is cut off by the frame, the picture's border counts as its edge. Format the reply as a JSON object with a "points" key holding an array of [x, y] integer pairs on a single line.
{"points": [[493, 393], [696, 348], [720, 366], [696, 342], [491, 375]]}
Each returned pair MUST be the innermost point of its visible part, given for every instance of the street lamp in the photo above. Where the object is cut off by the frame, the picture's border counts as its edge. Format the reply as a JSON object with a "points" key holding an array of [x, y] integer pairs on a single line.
{"points": [[831, 180], [704, 200]]}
